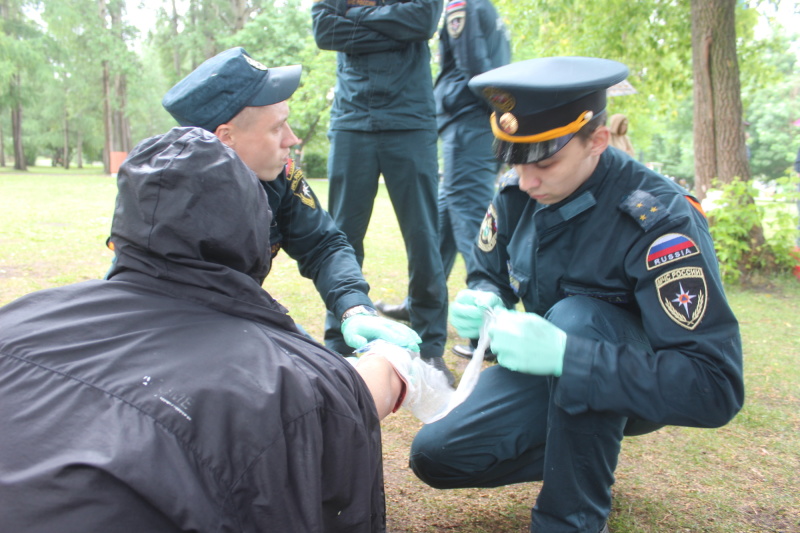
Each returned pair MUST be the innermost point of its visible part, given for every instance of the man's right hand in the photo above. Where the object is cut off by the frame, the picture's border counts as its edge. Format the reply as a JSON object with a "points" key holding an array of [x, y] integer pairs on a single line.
{"points": [[468, 309]]}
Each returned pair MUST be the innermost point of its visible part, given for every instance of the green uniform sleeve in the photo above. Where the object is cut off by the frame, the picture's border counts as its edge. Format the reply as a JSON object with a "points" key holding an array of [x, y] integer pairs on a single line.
{"points": [[309, 235], [334, 30], [693, 375], [406, 21]]}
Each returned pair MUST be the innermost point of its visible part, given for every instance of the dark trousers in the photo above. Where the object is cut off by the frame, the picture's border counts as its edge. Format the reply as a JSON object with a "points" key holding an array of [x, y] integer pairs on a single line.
{"points": [[467, 188], [407, 160], [510, 430]]}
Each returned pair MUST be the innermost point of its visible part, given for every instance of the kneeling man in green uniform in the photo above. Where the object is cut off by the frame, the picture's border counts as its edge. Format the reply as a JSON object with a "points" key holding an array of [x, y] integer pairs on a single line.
{"points": [[624, 326]]}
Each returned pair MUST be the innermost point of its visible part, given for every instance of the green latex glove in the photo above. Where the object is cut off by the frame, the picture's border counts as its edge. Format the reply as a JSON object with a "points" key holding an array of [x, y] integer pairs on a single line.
{"points": [[358, 330], [526, 342], [467, 311]]}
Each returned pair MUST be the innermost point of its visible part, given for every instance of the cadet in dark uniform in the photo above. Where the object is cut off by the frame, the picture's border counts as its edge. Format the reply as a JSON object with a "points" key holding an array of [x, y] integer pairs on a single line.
{"points": [[472, 40], [383, 123], [244, 104], [637, 332]]}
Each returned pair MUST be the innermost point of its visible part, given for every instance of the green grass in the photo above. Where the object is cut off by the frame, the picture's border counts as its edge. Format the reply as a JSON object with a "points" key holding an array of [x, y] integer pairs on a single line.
{"points": [[741, 478]]}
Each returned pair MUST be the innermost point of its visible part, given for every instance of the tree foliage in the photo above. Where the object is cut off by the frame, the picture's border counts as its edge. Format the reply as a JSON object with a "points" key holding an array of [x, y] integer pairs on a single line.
{"points": [[58, 57]]}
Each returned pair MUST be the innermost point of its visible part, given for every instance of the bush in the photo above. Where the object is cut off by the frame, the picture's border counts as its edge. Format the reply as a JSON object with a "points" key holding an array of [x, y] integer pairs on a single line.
{"points": [[315, 165], [735, 225]]}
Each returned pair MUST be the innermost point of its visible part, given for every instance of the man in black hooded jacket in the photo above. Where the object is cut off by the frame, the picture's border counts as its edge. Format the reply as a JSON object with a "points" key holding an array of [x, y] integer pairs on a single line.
{"points": [[177, 395]]}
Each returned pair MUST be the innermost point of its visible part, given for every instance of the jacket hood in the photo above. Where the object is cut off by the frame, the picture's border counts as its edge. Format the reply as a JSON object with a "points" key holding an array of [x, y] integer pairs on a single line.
{"points": [[189, 210]]}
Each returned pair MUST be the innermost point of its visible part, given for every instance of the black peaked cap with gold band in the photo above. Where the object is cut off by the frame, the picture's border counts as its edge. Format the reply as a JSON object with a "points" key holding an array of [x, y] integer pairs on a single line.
{"points": [[539, 104]]}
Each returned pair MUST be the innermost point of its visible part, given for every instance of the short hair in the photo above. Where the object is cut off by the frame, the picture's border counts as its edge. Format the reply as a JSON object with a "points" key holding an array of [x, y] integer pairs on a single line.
{"points": [[585, 133]]}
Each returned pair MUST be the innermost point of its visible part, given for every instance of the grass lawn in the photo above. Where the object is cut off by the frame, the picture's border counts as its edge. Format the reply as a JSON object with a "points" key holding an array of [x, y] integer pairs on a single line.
{"points": [[741, 478]]}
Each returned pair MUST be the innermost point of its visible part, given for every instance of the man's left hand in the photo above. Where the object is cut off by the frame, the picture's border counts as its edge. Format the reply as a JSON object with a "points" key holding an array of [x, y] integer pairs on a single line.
{"points": [[358, 330], [526, 342]]}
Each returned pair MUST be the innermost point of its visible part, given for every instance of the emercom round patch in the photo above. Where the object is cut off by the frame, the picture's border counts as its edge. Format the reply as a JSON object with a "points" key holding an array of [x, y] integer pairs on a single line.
{"points": [[683, 295], [487, 237]]}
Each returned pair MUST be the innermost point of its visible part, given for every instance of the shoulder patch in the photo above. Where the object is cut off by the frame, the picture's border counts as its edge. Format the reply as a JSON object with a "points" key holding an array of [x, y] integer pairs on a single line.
{"points": [[510, 178], [683, 295], [487, 236], [455, 14], [299, 186], [644, 208], [669, 248]]}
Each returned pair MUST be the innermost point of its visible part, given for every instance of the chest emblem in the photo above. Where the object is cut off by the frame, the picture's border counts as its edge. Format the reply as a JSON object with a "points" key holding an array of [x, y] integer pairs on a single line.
{"points": [[670, 248], [487, 237], [683, 295]]}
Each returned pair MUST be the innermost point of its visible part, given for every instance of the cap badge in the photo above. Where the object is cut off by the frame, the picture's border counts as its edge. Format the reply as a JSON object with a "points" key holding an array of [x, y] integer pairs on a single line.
{"points": [[255, 64], [509, 123], [502, 100]]}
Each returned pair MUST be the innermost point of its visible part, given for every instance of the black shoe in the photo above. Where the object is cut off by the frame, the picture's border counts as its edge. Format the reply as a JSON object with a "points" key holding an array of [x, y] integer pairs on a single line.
{"points": [[439, 364], [395, 312], [466, 351]]}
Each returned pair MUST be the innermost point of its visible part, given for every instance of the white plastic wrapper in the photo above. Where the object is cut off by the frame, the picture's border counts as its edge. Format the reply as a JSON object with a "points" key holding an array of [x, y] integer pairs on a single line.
{"points": [[429, 396]]}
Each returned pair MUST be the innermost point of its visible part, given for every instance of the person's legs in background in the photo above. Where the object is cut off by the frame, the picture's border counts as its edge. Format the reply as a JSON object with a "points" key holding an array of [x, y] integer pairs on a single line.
{"points": [[353, 173], [409, 166], [465, 193]]}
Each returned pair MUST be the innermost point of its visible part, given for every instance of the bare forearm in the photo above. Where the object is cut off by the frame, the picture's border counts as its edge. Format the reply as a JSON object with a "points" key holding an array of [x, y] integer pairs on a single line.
{"points": [[382, 381]]}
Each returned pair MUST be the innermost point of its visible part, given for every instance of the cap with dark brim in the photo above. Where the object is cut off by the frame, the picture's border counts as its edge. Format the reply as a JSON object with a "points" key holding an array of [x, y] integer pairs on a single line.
{"points": [[540, 104], [223, 85]]}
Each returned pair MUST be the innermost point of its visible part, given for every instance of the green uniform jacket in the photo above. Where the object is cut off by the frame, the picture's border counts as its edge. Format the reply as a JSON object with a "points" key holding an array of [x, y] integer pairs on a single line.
{"points": [[308, 234], [630, 237], [383, 65]]}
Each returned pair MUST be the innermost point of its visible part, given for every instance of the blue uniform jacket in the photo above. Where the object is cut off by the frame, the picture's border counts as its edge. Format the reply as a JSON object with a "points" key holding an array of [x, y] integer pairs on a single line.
{"points": [[472, 41], [630, 237], [383, 63], [308, 234]]}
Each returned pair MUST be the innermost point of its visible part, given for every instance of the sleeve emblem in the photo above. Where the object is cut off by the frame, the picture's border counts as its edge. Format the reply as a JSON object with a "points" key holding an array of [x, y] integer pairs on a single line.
{"points": [[299, 186], [683, 295], [455, 15], [670, 248], [487, 237]]}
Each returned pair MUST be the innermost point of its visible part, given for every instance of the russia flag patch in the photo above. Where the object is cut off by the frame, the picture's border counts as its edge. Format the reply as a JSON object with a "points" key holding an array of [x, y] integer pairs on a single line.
{"points": [[670, 248]]}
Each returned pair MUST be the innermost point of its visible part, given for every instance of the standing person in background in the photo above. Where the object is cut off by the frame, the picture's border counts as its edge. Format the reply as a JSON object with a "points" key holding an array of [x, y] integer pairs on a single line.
{"points": [[472, 40], [383, 123], [244, 104], [618, 126]]}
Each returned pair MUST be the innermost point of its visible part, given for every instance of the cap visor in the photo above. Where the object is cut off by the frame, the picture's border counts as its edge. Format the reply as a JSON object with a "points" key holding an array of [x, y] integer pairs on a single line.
{"points": [[524, 153], [279, 84]]}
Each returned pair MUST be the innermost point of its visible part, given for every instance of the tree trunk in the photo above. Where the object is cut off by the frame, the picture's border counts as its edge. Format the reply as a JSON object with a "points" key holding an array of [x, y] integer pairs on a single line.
{"points": [[719, 139], [16, 126], [107, 126], [176, 52], [121, 141], [2, 147], [122, 130], [79, 150], [66, 142]]}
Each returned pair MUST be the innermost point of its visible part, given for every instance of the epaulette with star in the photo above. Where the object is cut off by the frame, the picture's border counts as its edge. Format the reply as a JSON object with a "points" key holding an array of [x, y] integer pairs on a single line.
{"points": [[645, 209], [510, 178]]}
